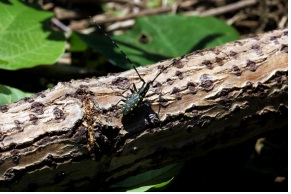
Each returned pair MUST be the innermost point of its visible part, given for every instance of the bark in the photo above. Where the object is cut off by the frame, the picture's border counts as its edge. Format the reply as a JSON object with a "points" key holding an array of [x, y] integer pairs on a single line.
{"points": [[72, 137]]}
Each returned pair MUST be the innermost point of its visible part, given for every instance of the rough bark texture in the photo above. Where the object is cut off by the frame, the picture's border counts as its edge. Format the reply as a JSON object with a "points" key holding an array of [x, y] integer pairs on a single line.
{"points": [[73, 137]]}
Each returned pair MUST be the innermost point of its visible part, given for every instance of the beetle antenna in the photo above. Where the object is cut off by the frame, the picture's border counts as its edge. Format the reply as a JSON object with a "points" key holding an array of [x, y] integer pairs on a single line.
{"points": [[113, 42], [174, 62]]}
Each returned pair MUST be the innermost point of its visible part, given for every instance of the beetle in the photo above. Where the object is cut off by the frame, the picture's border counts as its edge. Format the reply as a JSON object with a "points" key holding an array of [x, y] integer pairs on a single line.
{"points": [[137, 96]]}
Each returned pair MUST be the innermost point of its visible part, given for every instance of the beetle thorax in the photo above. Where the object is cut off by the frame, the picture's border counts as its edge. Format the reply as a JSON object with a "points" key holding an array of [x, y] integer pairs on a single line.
{"points": [[143, 91]]}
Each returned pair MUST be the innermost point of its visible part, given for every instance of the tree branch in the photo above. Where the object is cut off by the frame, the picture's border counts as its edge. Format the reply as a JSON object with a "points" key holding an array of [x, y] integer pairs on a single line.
{"points": [[72, 136]]}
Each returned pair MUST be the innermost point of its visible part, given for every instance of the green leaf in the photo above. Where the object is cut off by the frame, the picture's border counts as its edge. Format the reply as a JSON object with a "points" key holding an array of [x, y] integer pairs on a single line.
{"points": [[9, 94], [26, 38], [159, 37], [147, 188], [151, 179], [77, 44], [3, 62]]}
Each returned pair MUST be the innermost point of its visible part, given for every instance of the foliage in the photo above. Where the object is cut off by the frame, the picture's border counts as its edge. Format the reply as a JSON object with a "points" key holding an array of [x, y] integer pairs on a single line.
{"points": [[150, 180], [28, 39], [160, 37], [9, 94]]}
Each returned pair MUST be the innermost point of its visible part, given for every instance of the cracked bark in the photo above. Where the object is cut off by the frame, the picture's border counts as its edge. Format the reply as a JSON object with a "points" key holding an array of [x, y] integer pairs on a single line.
{"points": [[72, 137]]}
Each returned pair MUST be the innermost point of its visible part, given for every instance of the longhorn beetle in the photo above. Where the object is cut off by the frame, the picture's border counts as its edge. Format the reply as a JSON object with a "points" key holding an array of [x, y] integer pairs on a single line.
{"points": [[137, 96]]}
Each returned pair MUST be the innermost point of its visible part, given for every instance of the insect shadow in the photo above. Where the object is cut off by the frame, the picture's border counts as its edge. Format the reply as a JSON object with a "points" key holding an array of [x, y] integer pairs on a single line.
{"points": [[140, 117]]}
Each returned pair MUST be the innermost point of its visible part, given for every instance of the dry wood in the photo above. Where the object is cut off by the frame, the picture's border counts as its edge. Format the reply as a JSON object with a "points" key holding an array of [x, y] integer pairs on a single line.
{"points": [[227, 8], [73, 137], [99, 19]]}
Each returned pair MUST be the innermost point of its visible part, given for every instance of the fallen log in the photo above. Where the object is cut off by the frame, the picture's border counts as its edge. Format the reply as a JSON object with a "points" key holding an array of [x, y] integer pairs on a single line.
{"points": [[73, 137]]}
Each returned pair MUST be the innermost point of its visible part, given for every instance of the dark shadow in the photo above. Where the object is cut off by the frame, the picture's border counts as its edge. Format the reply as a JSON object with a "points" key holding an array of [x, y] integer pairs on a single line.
{"points": [[53, 34], [4, 90], [6, 2], [138, 118], [203, 42], [145, 54]]}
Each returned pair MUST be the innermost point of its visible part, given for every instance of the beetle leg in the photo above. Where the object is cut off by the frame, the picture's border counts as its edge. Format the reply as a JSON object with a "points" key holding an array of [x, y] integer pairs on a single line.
{"points": [[119, 102], [121, 94], [134, 88]]}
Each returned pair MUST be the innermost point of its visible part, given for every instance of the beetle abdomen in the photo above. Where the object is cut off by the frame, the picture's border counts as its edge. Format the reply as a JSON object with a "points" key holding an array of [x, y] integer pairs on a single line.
{"points": [[131, 103]]}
